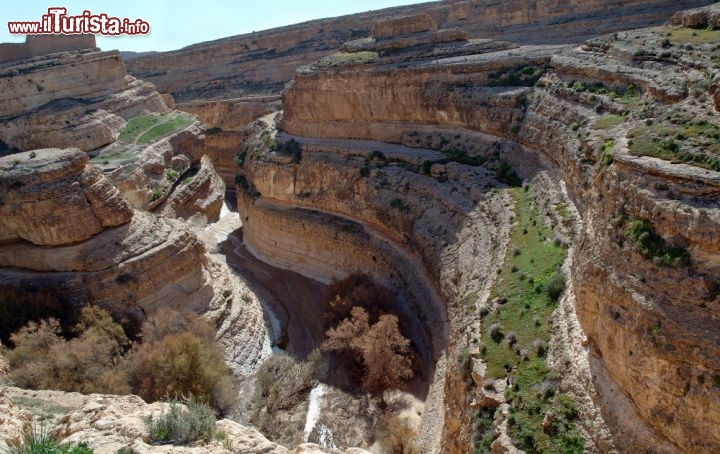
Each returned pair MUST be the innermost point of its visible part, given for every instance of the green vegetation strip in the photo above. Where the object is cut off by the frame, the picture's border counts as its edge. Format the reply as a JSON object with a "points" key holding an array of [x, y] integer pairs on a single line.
{"points": [[516, 337], [165, 129], [683, 35], [148, 128], [608, 121], [684, 140], [137, 125]]}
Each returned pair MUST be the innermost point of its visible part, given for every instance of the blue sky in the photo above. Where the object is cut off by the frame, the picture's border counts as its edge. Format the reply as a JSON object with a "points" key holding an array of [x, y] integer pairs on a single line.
{"points": [[178, 23]]}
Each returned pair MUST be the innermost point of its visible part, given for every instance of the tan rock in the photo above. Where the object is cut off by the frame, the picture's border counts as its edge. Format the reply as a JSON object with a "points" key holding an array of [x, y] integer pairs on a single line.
{"points": [[39, 100], [36, 187], [405, 25], [446, 35], [708, 16], [201, 198]]}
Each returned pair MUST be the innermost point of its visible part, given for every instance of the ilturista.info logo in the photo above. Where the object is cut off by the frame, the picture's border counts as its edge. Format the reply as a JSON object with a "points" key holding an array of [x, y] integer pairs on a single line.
{"points": [[57, 22]]}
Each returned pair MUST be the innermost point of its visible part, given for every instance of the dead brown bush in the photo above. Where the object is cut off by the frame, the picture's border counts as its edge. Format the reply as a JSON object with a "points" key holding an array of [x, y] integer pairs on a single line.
{"points": [[385, 353]]}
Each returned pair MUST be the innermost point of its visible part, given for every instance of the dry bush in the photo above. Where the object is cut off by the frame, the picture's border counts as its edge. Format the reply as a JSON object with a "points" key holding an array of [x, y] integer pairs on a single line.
{"points": [[179, 357], [356, 290], [385, 353], [398, 437], [43, 359]]}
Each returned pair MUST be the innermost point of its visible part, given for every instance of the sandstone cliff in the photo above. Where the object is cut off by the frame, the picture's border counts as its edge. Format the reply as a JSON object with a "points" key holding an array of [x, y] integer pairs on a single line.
{"points": [[645, 265], [79, 99], [228, 119], [71, 238], [262, 62]]}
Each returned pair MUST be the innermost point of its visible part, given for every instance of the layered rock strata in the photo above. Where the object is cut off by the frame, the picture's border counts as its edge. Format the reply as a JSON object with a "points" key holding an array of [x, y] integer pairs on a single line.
{"points": [[77, 99], [262, 62], [227, 120], [648, 322], [70, 237]]}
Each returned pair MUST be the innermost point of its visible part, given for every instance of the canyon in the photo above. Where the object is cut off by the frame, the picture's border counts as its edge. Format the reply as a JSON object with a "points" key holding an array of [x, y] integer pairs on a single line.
{"points": [[450, 151]]}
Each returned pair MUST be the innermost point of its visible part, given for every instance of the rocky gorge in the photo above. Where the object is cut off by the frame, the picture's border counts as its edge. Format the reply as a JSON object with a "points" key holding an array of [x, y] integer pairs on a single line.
{"points": [[464, 173]]}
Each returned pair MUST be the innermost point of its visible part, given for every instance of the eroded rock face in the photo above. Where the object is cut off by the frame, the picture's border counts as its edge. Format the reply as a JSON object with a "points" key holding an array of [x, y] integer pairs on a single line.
{"points": [[228, 121], [263, 62], [115, 256], [708, 16], [52, 197], [649, 324], [80, 99], [202, 197]]}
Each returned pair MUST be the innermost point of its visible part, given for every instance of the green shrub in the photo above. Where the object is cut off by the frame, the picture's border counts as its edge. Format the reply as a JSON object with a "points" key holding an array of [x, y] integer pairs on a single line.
{"points": [[426, 166], [181, 425], [242, 182], [240, 158], [39, 441], [652, 246], [291, 147], [555, 286], [399, 204], [507, 175], [159, 193], [496, 332], [171, 175]]}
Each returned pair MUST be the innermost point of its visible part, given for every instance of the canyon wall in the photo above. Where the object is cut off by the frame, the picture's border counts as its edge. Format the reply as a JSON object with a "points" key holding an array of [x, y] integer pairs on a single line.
{"points": [[228, 119], [101, 251], [39, 45], [648, 321], [262, 62], [81, 99], [69, 238]]}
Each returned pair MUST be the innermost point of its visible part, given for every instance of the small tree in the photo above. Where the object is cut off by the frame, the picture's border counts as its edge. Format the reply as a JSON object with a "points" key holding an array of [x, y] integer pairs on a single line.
{"points": [[383, 351], [179, 357]]}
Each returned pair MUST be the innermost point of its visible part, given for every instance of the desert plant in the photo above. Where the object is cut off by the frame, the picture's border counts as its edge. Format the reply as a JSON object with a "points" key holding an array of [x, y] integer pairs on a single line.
{"points": [[179, 357], [555, 286], [182, 424], [43, 359], [398, 437], [384, 352], [496, 332], [38, 440]]}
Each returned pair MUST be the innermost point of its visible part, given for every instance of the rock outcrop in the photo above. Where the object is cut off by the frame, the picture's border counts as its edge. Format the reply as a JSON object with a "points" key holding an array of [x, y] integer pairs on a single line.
{"points": [[38, 185], [117, 263], [227, 120], [708, 16], [77, 99], [70, 237], [201, 197]]}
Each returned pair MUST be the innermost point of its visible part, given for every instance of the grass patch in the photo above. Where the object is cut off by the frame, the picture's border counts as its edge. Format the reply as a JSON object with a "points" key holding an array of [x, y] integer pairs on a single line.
{"points": [[608, 121], [180, 425], [684, 140], [37, 440], [529, 294], [171, 175], [137, 125], [684, 35], [164, 129]]}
